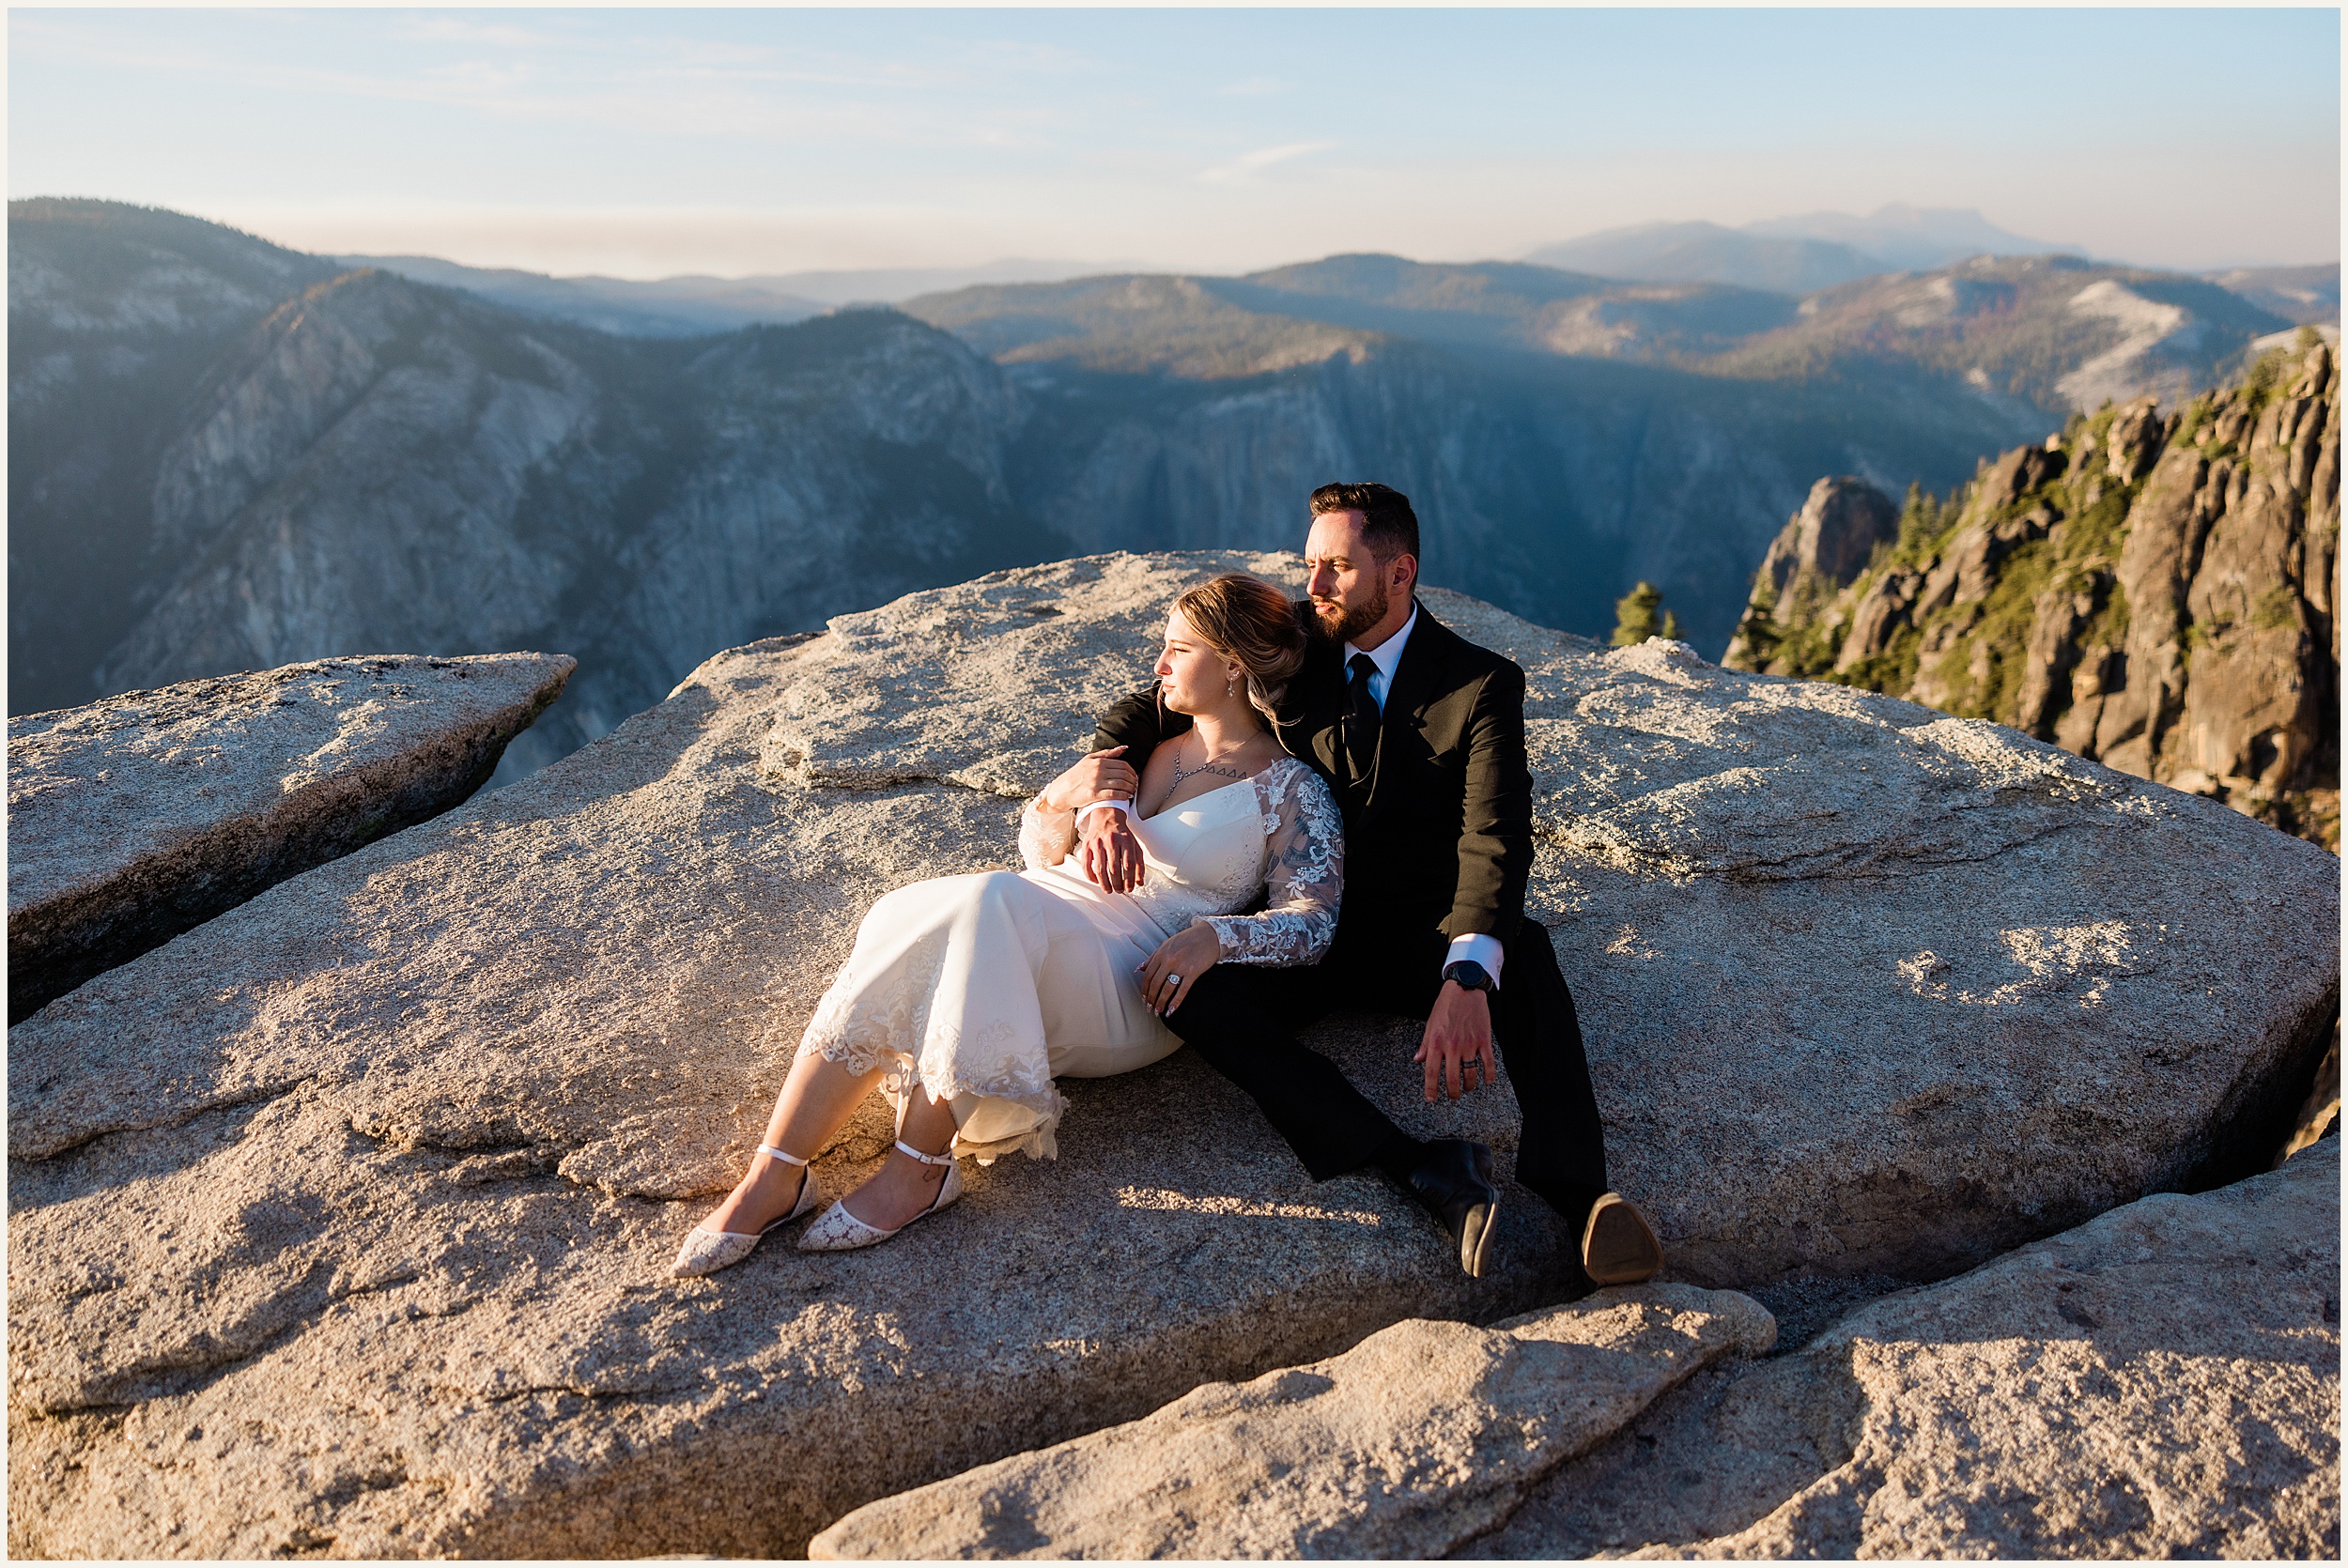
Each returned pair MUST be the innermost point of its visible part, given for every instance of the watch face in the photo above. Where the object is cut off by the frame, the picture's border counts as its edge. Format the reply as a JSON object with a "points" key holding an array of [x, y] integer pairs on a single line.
{"points": [[1468, 974]]}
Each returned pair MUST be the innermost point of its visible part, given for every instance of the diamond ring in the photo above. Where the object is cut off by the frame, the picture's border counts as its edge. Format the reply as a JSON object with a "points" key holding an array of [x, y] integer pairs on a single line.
{"points": [[1174, 979]]}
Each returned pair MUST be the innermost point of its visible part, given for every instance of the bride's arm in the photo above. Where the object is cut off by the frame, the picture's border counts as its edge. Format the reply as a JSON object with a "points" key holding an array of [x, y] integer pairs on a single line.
{"points": [[1304, 875], [1045, 836]]}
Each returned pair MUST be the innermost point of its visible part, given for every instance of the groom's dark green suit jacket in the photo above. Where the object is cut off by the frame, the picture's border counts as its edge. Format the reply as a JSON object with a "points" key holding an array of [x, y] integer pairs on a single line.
{"points": [[1438, 837]]}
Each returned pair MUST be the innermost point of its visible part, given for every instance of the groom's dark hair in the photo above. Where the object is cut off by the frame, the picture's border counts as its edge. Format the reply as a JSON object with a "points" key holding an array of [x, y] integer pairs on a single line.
{"points": [[1388, 525]]}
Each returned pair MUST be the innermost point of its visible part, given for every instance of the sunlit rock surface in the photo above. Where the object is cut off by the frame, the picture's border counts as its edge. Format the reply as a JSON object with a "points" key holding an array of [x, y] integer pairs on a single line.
{"points": [[133, 819], [341, 1223], [1417, 1441], [2161, 1382]]}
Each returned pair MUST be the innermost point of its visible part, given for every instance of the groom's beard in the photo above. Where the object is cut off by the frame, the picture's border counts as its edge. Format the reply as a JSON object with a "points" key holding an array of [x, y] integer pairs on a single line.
{"points": [[1344, 625]]}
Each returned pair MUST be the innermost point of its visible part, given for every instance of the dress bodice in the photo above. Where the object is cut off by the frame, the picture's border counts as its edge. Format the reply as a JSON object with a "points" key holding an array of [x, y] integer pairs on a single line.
{"points": [[1275, 832], [1204, 857]]}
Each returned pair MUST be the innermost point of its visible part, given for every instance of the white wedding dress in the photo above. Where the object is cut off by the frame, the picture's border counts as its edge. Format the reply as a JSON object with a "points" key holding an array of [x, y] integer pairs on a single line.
{"points": [[986, 987]]}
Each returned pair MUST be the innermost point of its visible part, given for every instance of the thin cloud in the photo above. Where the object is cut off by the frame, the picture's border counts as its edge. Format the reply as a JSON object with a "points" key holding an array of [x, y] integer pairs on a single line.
{"points": [[449, 30], [1247, 165], [642, 83]]}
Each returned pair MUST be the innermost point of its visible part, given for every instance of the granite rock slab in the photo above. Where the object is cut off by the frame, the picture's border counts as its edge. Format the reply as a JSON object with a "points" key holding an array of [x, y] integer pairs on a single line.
{"points": [[341, 1223], [2161, 1382], [1419, 1439], [134, 819]]}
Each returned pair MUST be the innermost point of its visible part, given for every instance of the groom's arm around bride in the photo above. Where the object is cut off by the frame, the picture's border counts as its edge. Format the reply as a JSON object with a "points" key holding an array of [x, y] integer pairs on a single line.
{"points": [[1421, 736]]}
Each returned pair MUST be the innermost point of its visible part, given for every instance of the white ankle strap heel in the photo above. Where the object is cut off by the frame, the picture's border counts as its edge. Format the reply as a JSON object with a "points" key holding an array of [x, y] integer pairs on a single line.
{"points": [[705, 1252], [836, 1230]]}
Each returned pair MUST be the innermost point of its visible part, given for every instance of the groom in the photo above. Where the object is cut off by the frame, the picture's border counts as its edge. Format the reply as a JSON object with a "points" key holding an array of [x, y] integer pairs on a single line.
{"points": [[1421, 736]]}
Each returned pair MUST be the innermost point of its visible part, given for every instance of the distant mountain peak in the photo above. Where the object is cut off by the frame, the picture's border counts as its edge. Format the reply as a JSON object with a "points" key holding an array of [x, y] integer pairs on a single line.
{"points": [[1800, 255], [1909, 237]]}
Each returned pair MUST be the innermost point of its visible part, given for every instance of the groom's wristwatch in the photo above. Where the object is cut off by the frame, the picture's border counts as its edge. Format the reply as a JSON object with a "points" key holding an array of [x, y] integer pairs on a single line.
{"points": [[1468, 974]]}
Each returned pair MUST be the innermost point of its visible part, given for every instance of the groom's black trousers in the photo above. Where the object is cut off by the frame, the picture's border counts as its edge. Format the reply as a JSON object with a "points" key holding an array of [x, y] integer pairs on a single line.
{"points": [[1243, 1020]]}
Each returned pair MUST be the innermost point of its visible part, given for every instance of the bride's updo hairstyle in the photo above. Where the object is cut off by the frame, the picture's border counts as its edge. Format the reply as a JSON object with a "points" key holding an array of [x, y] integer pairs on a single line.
{"points": [[1249, 621]]}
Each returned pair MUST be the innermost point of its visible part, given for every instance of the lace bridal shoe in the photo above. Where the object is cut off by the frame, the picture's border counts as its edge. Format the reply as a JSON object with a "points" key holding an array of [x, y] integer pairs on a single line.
{"points": [[837, 1230], [705, 1252]]}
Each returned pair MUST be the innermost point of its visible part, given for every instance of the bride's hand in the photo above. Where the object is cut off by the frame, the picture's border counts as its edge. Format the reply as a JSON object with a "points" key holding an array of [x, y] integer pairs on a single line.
{"points": [[1176, 966], [1099, 777]]}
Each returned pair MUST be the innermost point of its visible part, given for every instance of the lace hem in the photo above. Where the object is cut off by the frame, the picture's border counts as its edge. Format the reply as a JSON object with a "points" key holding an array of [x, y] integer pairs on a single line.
{"points": [[888, 1029]]}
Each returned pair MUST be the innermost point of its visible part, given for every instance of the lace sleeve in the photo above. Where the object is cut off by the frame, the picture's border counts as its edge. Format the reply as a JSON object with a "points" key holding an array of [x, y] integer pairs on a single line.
{"points": [[1045, 840], [1304, 875]]}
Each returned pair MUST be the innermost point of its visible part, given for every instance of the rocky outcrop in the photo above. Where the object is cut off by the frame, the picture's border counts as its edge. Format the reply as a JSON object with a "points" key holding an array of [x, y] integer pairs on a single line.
{"points": [[2160, 1382], [2158, 592], [1418, 1439], [134, 819], [1822, 548], [341, 1222]]}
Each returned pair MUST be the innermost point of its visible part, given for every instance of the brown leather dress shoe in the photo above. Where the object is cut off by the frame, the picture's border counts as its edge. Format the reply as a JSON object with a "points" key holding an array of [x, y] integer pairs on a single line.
{"points": [[1618, 1245]]}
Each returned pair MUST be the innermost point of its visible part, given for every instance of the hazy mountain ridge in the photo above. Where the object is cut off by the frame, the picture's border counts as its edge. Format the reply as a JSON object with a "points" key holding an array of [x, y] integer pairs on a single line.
{"points": [[2057, 332], [2049, 334], [665, 307], [364, 463], [693, 305], [1698, 253], [2304, 296], [1792, 255]]}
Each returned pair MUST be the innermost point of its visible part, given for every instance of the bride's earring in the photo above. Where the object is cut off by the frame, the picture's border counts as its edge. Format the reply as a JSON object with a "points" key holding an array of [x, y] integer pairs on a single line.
{"points": [[1230, 688]]}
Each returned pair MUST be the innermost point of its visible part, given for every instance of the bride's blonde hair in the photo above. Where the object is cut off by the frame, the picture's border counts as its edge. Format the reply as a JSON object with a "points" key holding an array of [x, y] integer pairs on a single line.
{"points": [[1253, 624]]}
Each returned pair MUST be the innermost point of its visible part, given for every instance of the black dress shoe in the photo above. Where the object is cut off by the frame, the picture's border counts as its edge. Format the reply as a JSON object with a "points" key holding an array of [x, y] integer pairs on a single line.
{"points": [[1454, 1179]]}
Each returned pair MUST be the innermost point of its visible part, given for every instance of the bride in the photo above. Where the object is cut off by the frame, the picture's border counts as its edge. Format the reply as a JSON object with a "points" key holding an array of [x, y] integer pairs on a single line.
{"points": [[966, 996]]}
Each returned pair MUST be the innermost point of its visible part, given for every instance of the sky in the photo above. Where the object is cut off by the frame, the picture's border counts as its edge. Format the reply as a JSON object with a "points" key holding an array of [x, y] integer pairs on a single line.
{"points": [[649, 143]]}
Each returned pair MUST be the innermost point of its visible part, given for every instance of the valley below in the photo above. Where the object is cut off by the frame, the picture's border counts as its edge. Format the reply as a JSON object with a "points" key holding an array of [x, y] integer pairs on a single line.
{"points": [[228, 455]]}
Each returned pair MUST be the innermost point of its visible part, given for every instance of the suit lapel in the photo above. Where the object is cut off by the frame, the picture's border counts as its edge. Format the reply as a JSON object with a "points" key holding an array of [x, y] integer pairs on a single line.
{"points": [[1309, 719]]}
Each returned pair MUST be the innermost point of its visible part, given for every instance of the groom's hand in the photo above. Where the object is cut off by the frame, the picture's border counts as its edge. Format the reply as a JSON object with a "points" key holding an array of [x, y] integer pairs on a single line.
{"points": [[1459, 1042], [1112, 855]]}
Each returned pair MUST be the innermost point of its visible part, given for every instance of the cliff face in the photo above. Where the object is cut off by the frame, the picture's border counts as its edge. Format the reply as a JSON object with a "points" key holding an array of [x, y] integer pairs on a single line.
{"points": [[2159, 593], [115, 315], [381, 464]]}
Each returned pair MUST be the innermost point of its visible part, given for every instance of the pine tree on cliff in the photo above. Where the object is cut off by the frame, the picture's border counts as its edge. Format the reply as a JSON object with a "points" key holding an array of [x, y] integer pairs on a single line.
{"points": [[1635, 617]]}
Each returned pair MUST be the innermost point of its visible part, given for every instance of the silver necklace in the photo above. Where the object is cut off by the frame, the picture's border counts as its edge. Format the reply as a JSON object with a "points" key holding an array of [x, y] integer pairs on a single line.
{"points": [[1210, 765]]}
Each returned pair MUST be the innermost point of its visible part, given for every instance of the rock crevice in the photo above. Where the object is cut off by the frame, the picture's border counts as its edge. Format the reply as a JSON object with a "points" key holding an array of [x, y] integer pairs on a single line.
{"points": [[138, 818]]}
